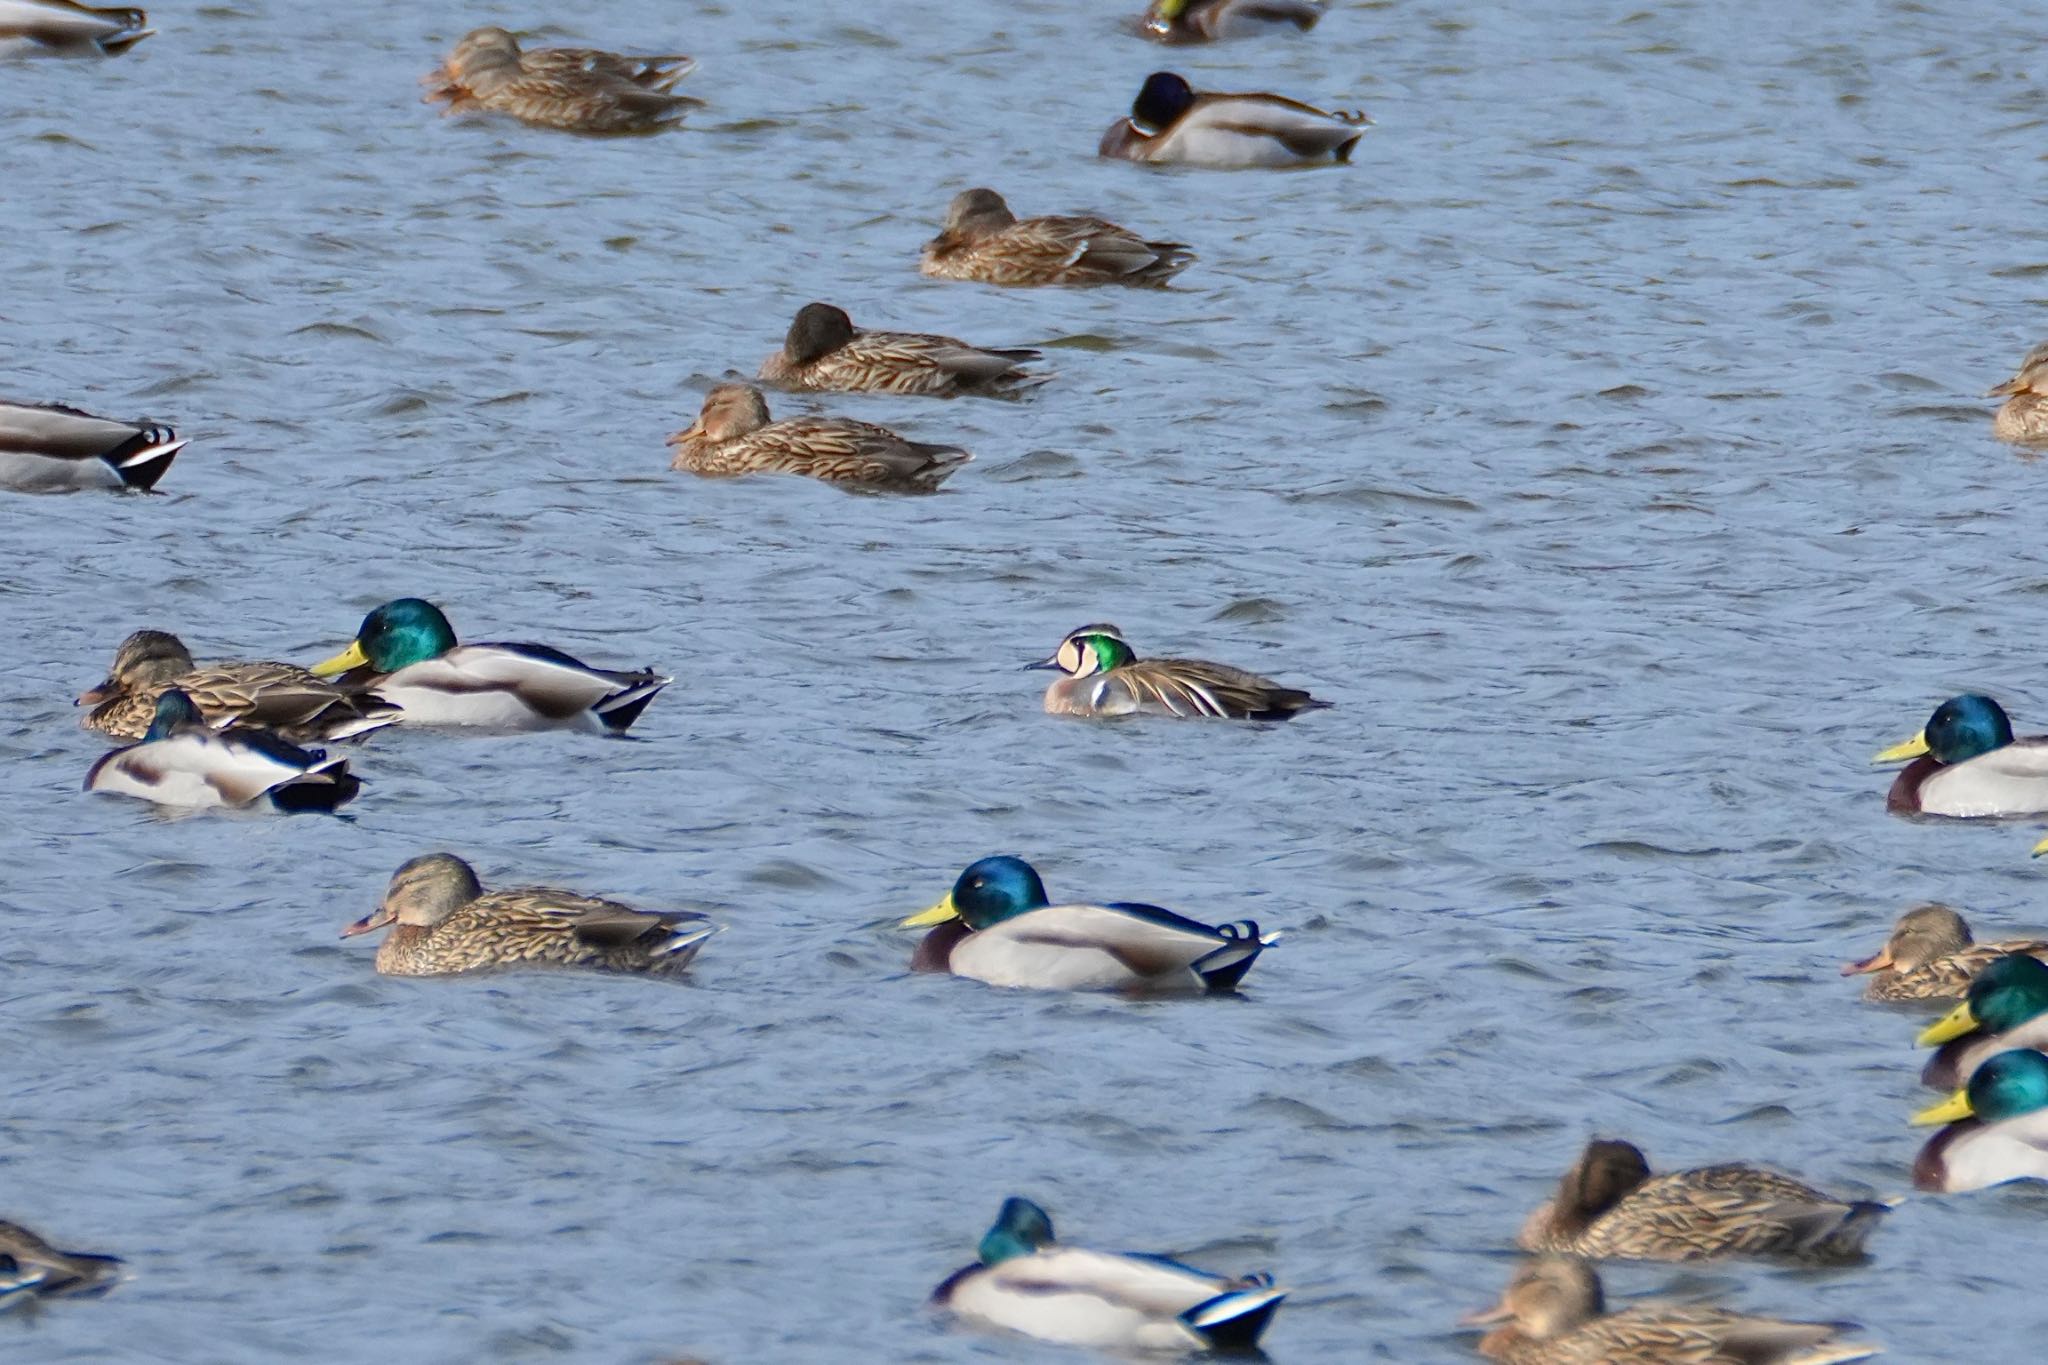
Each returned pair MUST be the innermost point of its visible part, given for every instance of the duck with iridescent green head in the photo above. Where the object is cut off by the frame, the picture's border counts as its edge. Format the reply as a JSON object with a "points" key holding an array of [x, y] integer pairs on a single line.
{"points": [[1967, 764], [997, 925], [1105, 677], [1997, 1127], [2006, 1007], [405, 652]]}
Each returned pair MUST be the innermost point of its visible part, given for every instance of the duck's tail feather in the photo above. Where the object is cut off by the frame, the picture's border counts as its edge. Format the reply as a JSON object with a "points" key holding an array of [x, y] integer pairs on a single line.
{"points": [[1234, 1319]]}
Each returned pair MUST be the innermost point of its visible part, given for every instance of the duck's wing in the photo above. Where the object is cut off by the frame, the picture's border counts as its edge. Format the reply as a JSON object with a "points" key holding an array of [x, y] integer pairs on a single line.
{"points": [[1671, 1334], [1302, 129], [64, 28], [544, 680], [846, 451], [52, 445], [593, 923], [971, 364], [1734, 1210], [1091, 246], [50, 1272], [1192, 687], [285, 698], [653, 73], [2010, 780], [1099, 947]]}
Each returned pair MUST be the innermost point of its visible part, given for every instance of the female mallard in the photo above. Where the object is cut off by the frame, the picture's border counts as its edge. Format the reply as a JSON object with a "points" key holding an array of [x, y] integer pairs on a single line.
{"points": [[180, 761], [405, 653], [59, 28], [577, 89], [281, 698], [2023, 418], [30, 1265], [1026, 1282], [1556, 1314], [984, 241], [1930, 956], [997, 925], [1609, 1206], [1105, 677], [1967, 764], [446, 922], [733, 435], [2006, 1007], [51, 448], [1997, 1127], [1205, 21], [824, 350], [1172, 124]]}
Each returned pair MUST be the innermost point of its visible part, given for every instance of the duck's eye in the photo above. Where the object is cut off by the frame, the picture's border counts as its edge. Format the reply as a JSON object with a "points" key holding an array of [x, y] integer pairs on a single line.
{"points": [[977, 883]]}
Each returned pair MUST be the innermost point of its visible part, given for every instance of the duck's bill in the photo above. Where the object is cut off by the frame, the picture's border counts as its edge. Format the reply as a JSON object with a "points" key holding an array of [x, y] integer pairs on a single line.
{"points": [[938, 914], [2010, 386], [1954, 1024], [370, 923], [1500, 1312], [352, 657], [1954, 1109], [93, 696], [1898, 753], [2040, 848], [1053, 662], [1879, 963]]}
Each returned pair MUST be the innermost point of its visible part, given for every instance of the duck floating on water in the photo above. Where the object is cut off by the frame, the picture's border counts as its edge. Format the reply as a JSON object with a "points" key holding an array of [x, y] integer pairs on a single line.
{"points": [[182, 761], [283, 699], [47, 448], [1931, 956], [2006, 1007], [1966, 764], [2023, 418], [824, 350], [1207, 21], [573, 89], [1997, 1127], [985, 242], [1105, 677], [59, 28], [733, 435], [31, 1268], [1171, 123]]}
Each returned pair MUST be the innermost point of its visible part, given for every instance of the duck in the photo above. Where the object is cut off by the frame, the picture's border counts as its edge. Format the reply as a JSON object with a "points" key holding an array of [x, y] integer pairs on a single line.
{"points": [[182, 761], [1555, 1313], [1997, 1127], [31, 1266], [59, 28], [48, 447], [998, 926], [444, 922], [1171, 123], [405, 653], [282, 698], [734, 435], [1105, 677], [1931, 956], [1609, 1207], [2023, 418], [983, 241], [1024, 1281], [1206, 21], [2005, 1007], [574, 89], [824, 350], [1966, 764]]}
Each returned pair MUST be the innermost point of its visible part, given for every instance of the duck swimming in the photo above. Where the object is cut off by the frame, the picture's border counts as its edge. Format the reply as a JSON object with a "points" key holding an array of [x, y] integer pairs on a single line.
{"points": [[284, 699], [824, 350], [59, 28], [1172, 123], [2006, 1007], [997, 925], [51, 448], [1105, 677], [1026, 1282], [733, 435], [31, 1266], [181, 761], [1997, 1127], [1206, 21], [1931, 956], [574, 89], [1966, 764], [982, 240], [2023, 418]]}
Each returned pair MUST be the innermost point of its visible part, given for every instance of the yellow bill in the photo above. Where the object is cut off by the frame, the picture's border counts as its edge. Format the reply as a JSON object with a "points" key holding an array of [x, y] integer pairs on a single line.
{"points": [[352, 657], [1954, 1024], [938, 914], [2041, 848], [1898, 753], [1950, 1110]]}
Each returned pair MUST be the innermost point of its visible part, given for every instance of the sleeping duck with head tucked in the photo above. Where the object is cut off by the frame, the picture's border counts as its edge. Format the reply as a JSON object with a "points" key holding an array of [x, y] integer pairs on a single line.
{"points": [[1966, 764]]}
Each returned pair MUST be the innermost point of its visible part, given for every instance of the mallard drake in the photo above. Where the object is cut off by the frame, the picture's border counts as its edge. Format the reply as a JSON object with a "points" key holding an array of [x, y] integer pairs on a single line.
{"points": [[733, 435], [405, 653], [1997, 1127], [1967, 764], [180, 761], [2006, 1007], [984, 241], [52, 448], [577, 89], [1930, 956], [446, 923], [31, 1266], [281, 698], [1609, 1207], [1025, 1282], [1556, 1314], [1105, 677], [824, 350], [1205, 21], [59, 28], [2023, 417], [997, 925], [1170, 123]]}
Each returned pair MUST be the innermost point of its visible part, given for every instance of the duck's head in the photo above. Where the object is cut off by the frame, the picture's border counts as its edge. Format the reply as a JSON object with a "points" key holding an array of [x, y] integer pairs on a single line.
{"points": [[977, 210], [730, 411], [1924, 934], [173, 709], [2008, 992], [2031, 377], [482, 47], [423, 892], [1091, 649], [819, 330], [988, 892], [1960, 728], [1021, 1227], [2009, 1086], [1605, 1171], [144, 659], [394, 636], [1547, 1298], [1161, 101]]}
